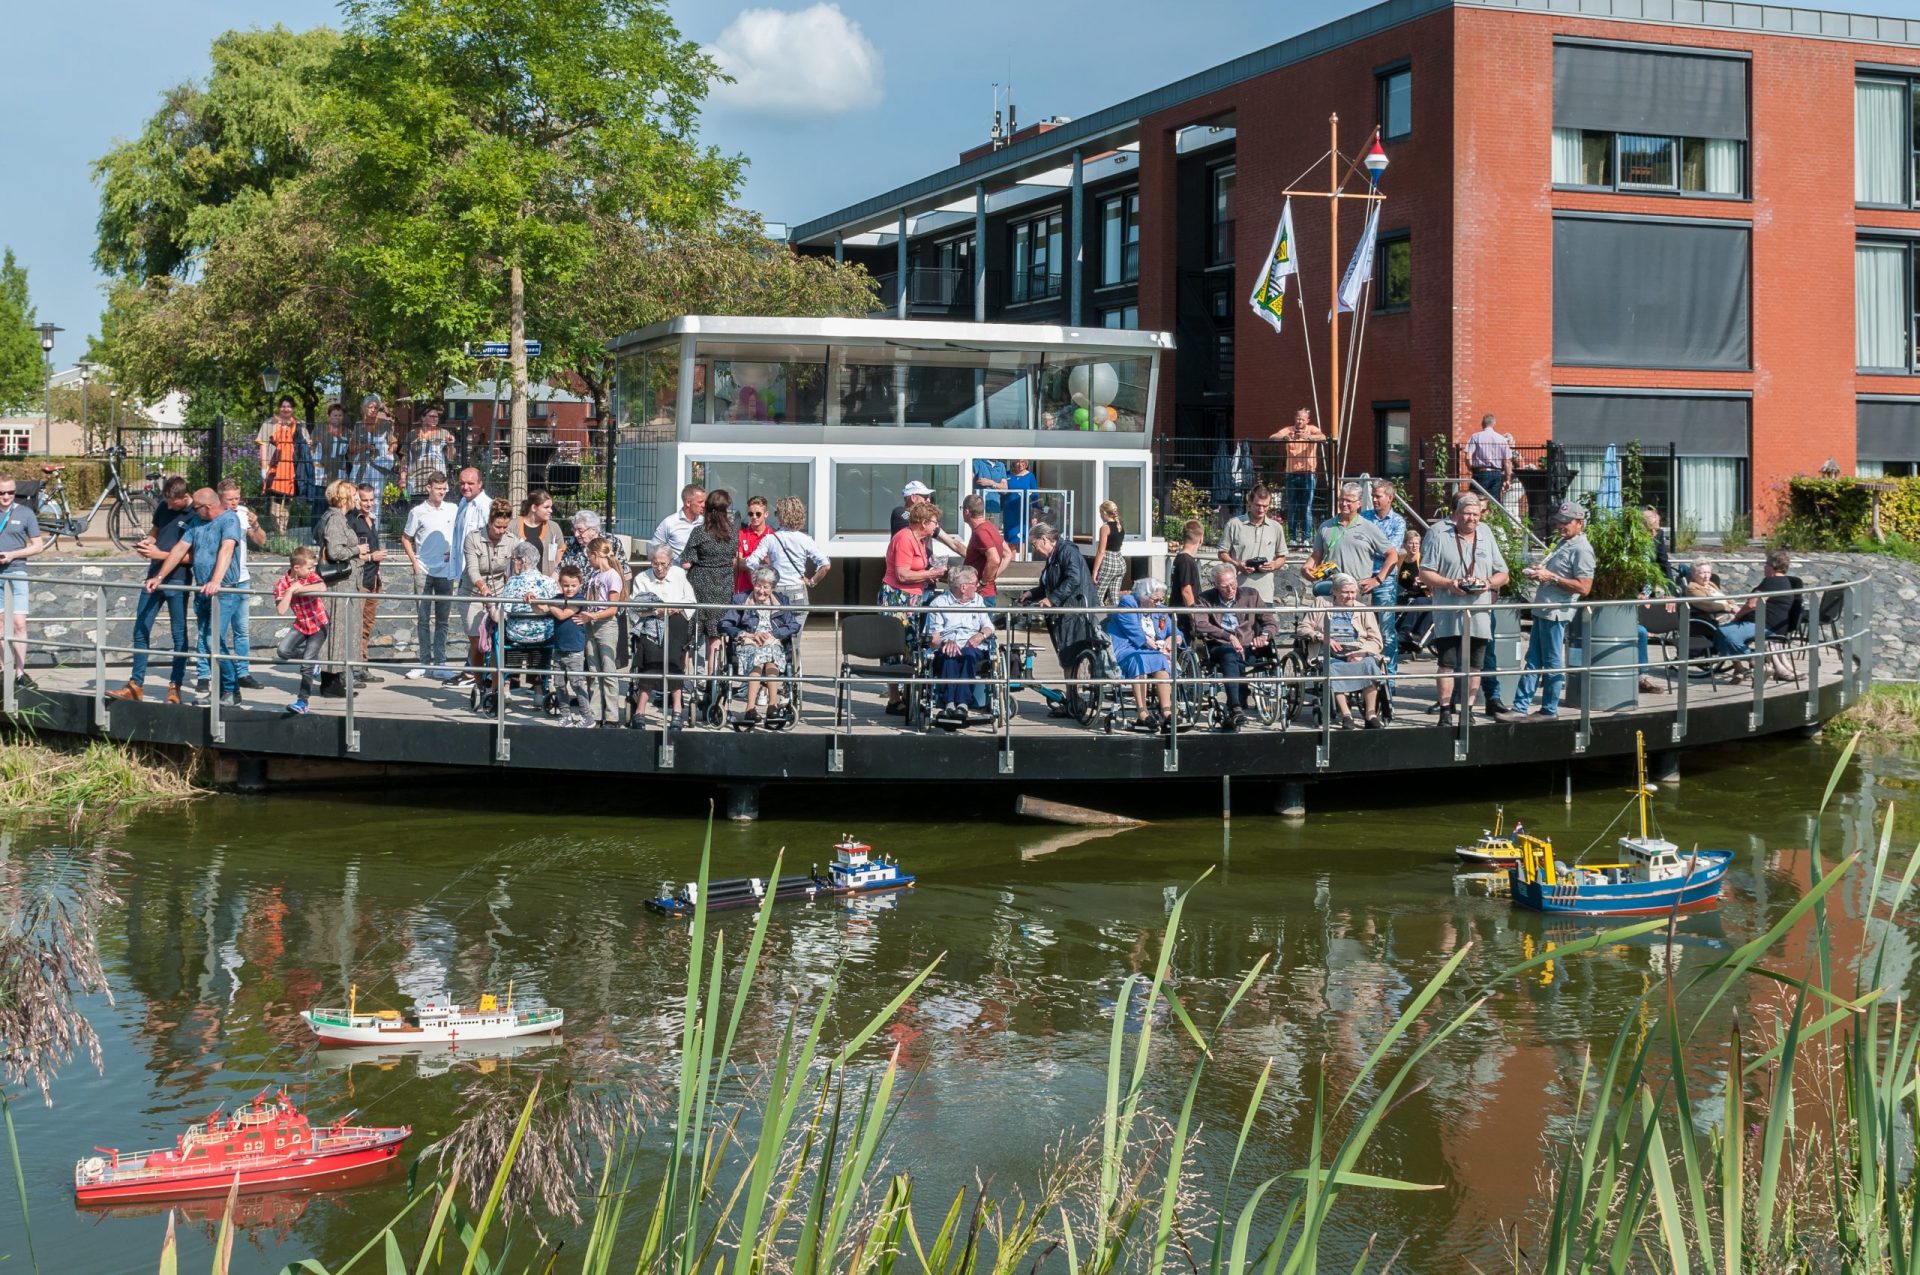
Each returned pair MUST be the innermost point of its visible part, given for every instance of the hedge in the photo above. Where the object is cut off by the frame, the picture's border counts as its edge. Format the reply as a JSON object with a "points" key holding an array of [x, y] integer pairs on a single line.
{"points": [[1834, 513], [86, 476]]}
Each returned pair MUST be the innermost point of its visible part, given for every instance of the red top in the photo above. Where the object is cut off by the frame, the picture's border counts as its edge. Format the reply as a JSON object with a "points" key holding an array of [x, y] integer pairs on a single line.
{"points": [[309, 614], [984, 536], [907, 552], [750, 538]]}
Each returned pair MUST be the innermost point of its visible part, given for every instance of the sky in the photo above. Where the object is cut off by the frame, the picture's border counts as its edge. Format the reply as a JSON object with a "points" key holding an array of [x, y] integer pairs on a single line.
{"points": [[833, 101]]}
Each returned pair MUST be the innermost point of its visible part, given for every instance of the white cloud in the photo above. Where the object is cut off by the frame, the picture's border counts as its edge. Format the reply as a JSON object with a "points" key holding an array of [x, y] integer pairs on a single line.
{"points": [[810, 62]]}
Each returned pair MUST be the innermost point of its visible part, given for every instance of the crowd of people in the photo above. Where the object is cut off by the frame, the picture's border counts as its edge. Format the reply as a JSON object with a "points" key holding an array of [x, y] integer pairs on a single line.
{"points": [[723, 590]]}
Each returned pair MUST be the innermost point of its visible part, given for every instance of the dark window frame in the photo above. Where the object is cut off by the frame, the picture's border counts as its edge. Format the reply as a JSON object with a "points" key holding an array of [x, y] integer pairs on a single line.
{"points": [[1220, 230], [1911, 171], [1128, 198], [1381, 410], [1384, 78], [1910, 249], [1390, 239], [1617, 185], [1020, 278]]}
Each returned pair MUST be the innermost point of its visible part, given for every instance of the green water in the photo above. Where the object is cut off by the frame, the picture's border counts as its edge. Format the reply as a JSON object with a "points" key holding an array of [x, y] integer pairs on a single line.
{"points": [[240, 912]]}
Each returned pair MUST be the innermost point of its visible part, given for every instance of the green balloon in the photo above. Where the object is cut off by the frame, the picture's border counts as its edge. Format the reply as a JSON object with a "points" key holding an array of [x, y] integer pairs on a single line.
{"points": [[1080, 417]]}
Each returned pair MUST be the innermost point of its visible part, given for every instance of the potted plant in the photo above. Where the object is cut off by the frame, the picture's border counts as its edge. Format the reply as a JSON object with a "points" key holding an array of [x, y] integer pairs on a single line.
{"points": [[1608, 637]]}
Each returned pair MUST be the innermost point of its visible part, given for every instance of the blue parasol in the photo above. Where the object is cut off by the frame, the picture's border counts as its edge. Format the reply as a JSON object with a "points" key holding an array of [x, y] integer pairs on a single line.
{"points": [[1608, 497]]}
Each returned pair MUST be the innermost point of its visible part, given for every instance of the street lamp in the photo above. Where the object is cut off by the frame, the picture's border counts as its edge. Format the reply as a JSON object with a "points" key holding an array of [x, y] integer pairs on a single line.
{"points": [[46, 354], [270, 379], [86, 377]]}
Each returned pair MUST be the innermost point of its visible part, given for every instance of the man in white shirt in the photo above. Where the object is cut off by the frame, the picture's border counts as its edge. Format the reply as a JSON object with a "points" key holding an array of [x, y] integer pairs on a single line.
{"points": [[678, 525], [469, 515], [428, 540], [254, 535]]}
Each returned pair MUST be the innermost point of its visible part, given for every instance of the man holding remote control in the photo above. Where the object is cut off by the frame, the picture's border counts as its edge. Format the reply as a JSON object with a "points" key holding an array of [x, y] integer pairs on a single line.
{"points": [[1255, 545], [1462, 565]]}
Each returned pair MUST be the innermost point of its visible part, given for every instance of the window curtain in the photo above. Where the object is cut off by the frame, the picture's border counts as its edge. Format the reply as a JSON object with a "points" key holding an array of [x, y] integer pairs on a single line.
{"points": [[1567, 157], [1586, 462], [1879, 142], [1723, 167], [1880, 313], [1869, 469], [1710, 491]]}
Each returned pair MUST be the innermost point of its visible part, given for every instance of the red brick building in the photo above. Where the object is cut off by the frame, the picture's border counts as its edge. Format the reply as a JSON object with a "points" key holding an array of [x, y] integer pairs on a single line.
{"points": [[1684, 221]]}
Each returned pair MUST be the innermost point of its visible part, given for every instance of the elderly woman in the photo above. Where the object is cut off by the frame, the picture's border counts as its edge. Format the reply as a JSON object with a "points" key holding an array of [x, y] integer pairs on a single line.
{"points": [[910, 569], [1709, 599], [342, 555], [760, 625], [1144, 638], [1064, 582], [515, 619], [959, 628], [1345, 633], [585, 526], [799, 563], [664, 630]]}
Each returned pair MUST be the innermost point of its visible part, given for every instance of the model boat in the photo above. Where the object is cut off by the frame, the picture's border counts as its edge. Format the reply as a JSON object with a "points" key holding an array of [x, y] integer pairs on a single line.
{"points": [[264, 1142], [1655, 876], [1495, 849], [854, 869], [430, 1022]]}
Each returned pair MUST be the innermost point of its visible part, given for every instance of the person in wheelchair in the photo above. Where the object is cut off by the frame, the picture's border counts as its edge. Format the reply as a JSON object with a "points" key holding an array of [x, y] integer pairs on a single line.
{"points": [[526, 634], [1341, 631], [958, 634], [1145, 640], [1064, 582], [759, 629], [1236, 627]]}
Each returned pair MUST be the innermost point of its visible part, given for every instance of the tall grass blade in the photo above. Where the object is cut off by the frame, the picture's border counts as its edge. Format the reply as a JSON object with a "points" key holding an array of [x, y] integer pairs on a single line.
{"points": [[476, 1246], [169, 1250], [20, 1181]]}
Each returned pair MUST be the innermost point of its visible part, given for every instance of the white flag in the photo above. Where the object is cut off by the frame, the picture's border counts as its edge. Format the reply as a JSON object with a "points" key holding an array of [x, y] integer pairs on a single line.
{"points": [[1270, 293], [1360, 269]]}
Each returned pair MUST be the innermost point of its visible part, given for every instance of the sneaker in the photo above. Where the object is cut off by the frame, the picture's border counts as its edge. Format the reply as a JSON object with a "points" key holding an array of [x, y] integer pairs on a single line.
{"points": [[229, 699], [298, 708], [459, 681], [1446, 719], [415, 674], [25, 683], [248, 684], [200, 682], [443, 674], [366, 677]]}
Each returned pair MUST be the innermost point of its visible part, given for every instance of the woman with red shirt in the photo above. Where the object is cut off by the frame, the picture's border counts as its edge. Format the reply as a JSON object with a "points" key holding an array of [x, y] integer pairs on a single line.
{"points": [[910, 570], [752, 532]]}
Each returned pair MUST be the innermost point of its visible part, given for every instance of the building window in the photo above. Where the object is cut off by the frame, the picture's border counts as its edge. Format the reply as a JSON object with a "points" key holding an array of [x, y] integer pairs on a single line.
{"points": [[1036, 258], [1647, 162], [460, 410], [1884, 302], [1396, 103], [864, 494], [1394, 272], [1220, 217], [1121, 316], [1887, 438], [1223, 353], [1652, 294], [1886, 147], [1120, 238], [15, 439], [1394, 423], [1695, 449]]}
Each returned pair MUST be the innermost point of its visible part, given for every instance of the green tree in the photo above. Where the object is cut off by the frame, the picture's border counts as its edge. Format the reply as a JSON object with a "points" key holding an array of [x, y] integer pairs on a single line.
{"points": [[644, 275], [20, 358], [473, 142]]}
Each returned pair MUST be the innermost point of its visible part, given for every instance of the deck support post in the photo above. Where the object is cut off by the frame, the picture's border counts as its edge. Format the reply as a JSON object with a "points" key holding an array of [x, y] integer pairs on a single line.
{"points": [[1292, 802], [1664, 768], [743, 802], [250, 774]]}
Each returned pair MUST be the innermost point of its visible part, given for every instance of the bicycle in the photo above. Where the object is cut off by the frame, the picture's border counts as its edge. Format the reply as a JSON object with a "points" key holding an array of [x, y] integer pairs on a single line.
{"points": [[129, 521]]}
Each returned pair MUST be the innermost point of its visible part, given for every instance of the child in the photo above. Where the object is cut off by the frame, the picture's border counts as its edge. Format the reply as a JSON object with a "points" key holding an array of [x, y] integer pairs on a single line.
{"points": [[298, 593], [570, 645]]}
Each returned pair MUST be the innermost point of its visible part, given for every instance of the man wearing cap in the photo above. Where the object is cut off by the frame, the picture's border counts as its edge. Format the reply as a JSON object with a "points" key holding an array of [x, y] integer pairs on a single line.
{"points": [[1563, 579], [918, 493]]}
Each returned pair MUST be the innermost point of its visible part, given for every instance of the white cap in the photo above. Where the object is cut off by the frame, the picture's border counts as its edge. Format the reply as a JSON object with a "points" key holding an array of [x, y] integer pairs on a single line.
{"points": [[916, 488]]}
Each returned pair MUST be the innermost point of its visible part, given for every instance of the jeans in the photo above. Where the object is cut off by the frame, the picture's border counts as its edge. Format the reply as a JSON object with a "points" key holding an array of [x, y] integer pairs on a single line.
{"points": [[230, 607], [1384, 596], [1733, 638], [305, 649], [1489, 682], [1546, 652], [243, 640], [572, 682], [1300, 507], [965, 666], [1230, 662], [1493, 480], [143, 617], [433, 654]]}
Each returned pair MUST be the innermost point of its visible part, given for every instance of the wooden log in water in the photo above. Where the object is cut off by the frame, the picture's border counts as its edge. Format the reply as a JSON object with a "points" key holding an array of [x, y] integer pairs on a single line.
{"points": [[1061, 812]]}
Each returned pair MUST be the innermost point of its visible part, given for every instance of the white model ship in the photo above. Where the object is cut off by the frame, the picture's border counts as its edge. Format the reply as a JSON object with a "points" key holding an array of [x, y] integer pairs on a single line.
{"points": [[430, 1021]]}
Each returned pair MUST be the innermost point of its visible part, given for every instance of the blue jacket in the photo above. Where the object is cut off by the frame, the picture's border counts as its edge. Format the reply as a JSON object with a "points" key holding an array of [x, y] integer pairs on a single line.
{"points": [[1131, 628], [739, 621]]}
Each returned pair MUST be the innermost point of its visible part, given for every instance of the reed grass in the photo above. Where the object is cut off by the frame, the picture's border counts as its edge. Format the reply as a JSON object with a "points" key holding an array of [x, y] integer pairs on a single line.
{"points": [[1888, 710], [58, 776]]}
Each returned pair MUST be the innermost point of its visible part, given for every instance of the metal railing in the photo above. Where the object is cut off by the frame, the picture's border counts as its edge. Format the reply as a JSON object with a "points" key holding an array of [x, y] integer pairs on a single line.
{"points": [[1093, 691]]}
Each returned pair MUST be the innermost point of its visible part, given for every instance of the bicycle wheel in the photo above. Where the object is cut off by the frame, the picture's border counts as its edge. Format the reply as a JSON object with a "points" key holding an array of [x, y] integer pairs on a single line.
{"points": [[131, 519]]}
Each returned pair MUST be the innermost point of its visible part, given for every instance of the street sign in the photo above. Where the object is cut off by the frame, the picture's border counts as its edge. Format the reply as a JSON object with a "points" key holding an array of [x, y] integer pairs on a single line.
{"points": [[501, 350]]}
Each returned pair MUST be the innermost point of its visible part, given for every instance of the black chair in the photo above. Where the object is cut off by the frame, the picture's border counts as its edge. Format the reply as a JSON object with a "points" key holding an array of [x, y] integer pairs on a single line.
{"points": [[1661, 620], [883, 645]]}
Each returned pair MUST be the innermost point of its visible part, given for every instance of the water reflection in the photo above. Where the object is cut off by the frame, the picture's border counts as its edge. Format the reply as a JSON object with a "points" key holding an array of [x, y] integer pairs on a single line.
{"points": [[223, 937]]}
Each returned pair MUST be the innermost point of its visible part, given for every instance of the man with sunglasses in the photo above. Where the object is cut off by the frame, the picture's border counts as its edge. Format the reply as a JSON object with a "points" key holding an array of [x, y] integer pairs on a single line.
{"points": [[20, 539], [212, 544]]}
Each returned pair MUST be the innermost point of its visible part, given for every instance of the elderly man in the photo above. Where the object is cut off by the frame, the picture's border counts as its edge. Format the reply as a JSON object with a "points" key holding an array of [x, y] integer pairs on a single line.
{"points": [[1562, 579], [959, 629], [470, 515], [1351, 545], [1234, 624], [1386, 594], [1735, 636], [1461, 564], [678, 525], [1490, 457], [664, 630], [918, 493], [1255, 545]]}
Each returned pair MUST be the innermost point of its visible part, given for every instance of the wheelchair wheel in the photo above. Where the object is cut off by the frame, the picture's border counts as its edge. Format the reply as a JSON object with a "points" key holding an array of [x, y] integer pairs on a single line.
{"points": [[1266, 698], [1195, 697], [1083, 697], [1292, 693]]}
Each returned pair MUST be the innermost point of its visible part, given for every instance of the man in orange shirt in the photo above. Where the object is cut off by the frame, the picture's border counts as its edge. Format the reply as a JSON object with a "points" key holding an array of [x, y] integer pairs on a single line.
{"points": [[1302, 439]]}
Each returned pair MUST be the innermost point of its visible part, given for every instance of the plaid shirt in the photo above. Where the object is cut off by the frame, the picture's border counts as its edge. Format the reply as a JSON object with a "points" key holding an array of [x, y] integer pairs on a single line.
{"points": [[309, 613]]}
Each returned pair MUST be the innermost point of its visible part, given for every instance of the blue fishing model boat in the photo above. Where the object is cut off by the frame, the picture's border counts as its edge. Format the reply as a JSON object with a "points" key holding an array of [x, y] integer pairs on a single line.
{"points": [[854, 869], [1656, 876]]}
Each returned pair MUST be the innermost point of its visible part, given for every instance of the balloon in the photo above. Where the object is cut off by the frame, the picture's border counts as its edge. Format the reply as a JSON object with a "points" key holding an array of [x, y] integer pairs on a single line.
{"points": [[1080, 417], [1112, 422], [1079, 399], [1097, 381]]}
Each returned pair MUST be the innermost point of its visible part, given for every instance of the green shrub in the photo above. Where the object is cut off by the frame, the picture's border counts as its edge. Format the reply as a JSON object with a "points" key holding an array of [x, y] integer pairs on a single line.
{"points": [[1826, 513], [85, 477], [1739, 532]]}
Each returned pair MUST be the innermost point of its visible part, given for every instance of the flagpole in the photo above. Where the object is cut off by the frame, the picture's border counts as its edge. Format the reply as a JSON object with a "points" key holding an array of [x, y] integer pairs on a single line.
{"points": [[1333, 274]]}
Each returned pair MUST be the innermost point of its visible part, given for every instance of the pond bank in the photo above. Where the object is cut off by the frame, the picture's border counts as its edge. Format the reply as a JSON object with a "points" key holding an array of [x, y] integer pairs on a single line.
{"points": [[72, 777]]}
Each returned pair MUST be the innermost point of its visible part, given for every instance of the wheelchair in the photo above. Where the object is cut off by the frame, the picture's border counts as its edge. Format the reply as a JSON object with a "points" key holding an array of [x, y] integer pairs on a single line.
{"points": [[1307, 687], [923, 693], [1203, 690], [527, 649], [713, 690]]}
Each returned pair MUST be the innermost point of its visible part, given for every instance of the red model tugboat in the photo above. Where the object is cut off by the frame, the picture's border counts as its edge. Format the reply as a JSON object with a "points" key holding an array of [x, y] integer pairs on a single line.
{"points": [[264, 1142]]}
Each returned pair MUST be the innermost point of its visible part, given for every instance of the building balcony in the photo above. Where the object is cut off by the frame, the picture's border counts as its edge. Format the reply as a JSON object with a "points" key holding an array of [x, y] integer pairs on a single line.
{"points": [[932, 291]]}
